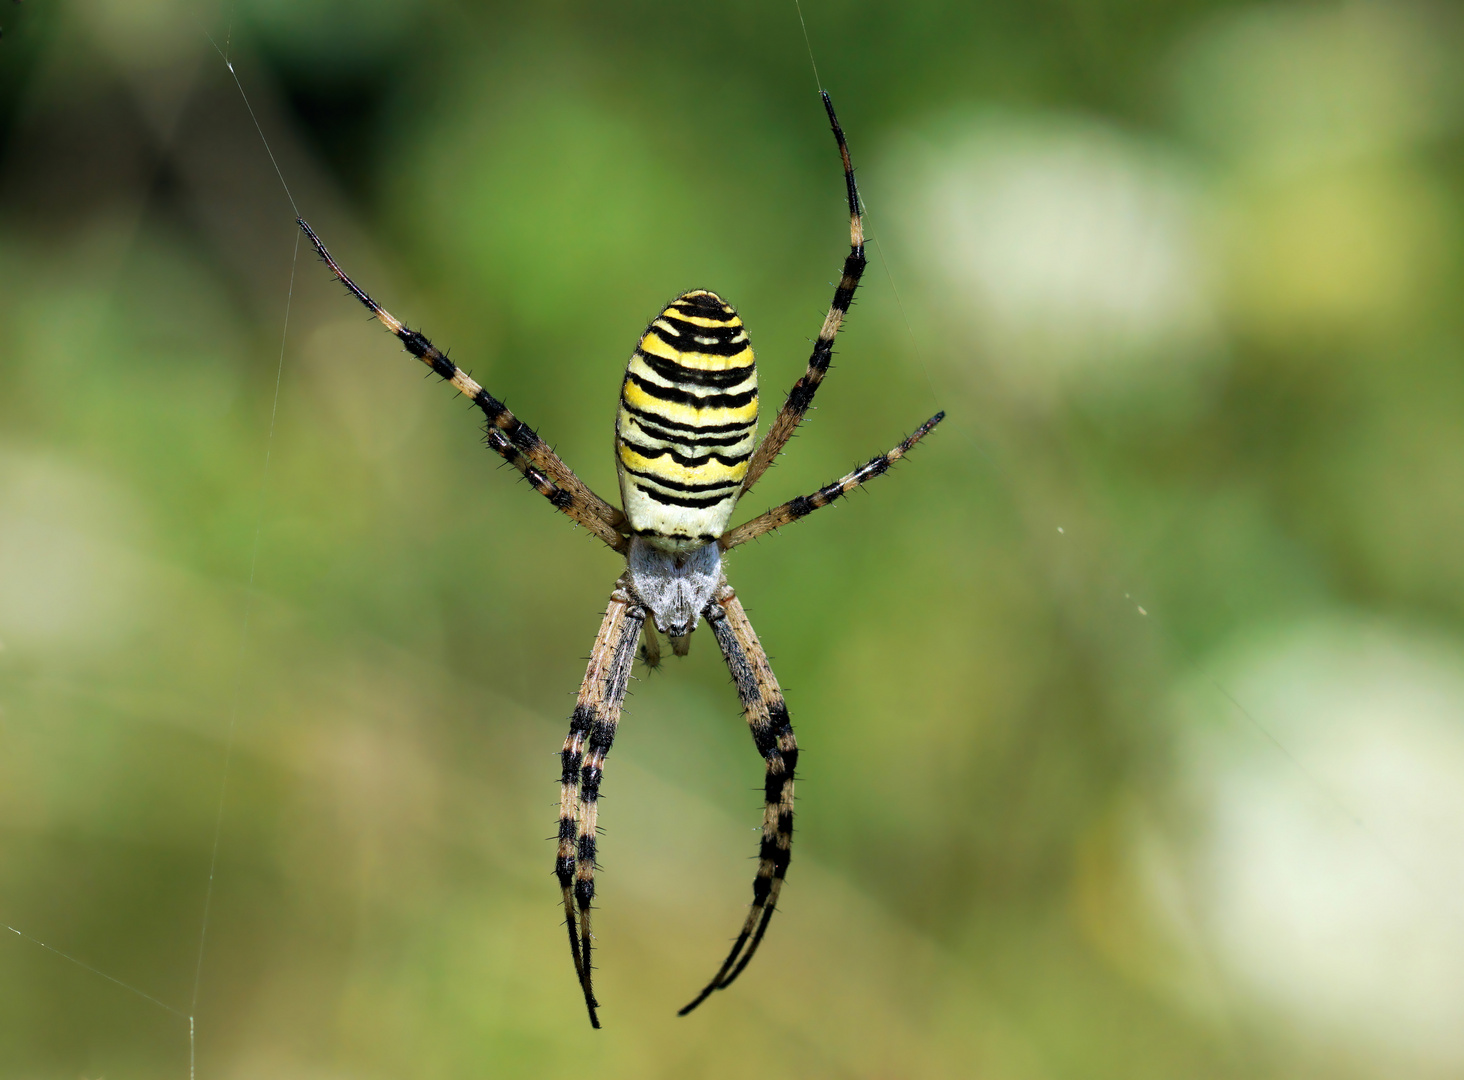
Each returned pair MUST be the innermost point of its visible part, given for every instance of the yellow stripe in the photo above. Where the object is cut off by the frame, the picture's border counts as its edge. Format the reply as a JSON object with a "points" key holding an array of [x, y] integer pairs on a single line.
{"points": [[731, 339], [695, 360], [736, 444], [645, 371], [664, 467], [700, 320], [687, 414], [670, 342]]}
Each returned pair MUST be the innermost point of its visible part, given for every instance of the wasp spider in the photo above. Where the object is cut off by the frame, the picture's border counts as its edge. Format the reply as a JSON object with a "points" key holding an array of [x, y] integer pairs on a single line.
{"points": [[686, 451]]}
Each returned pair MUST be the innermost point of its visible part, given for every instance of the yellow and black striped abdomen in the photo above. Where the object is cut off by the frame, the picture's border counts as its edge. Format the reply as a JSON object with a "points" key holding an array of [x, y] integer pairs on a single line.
{"points": [[687, 422]]}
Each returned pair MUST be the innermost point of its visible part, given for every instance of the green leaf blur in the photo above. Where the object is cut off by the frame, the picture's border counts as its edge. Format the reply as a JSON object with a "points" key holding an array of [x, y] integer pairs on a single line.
{"points": [[1131, 704]]}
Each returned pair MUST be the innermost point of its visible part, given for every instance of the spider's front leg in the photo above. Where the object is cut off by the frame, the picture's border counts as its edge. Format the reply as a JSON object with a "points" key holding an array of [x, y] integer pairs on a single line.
{"points": [[591, 731], [507, 435], [772, 734], [801, 507], [800, 398]]}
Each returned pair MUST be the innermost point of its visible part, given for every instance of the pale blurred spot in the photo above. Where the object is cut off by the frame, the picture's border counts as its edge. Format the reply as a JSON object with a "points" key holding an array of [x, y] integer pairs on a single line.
{"points": [[1326, 227], [1340, 253], [1281, 88], [1328, 874], [1130, 899], [1067, 247], [68, 578]]}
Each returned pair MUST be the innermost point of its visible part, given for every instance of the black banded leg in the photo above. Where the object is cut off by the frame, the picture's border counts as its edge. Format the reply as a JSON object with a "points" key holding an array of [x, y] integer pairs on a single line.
{"points": [[772, 734], [508, 436], [600, 698], [804, 505], [801, 396], [564, 861], [609, 671]]}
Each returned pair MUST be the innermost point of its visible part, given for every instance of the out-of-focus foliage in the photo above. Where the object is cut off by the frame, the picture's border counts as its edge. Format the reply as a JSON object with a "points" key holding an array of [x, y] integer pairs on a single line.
{"points": [[1132, 705]]}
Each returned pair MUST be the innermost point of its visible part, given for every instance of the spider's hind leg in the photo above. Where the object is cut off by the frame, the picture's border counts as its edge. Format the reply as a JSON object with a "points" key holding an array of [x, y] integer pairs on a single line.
{"points": [[772, 734], [591, 730]]}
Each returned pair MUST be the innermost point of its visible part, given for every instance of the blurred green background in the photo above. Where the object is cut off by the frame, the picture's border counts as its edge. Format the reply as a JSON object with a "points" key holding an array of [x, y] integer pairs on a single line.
{"points": [[1132, 705]]}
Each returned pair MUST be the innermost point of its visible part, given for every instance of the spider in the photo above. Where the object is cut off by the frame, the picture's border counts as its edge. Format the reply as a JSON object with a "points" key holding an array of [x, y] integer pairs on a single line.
{"points": [[686, 452]]}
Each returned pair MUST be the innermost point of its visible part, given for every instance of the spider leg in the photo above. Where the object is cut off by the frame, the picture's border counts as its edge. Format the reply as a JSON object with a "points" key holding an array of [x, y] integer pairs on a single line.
{"points": [[804, 505], [508, 436], [772, 734], [596, 714], [650, 653], [801, 396]]}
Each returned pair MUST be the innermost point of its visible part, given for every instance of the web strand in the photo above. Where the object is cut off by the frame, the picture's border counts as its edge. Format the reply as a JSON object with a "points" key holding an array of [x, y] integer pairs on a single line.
{"points": [[245, 98], [190, 1014], [98, 971], [241, 662], [251, 595], [250, 591], [864, 207], [799, 6], [1305, 774]]}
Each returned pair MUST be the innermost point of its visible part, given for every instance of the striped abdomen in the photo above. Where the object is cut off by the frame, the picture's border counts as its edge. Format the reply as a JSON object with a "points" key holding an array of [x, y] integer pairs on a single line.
{"points": [[687, 422]]}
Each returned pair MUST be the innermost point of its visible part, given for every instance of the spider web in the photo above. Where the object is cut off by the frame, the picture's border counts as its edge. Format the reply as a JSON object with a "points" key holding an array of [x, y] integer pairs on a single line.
{"points": [[189, 1013], [242, 664], [1331, 809]]}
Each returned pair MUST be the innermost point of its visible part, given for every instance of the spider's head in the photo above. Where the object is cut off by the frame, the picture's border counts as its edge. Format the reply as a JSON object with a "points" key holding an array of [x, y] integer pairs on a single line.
{"points": [[675, 586]]}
